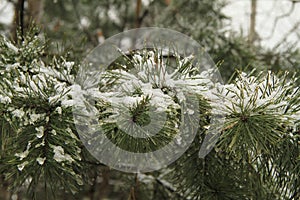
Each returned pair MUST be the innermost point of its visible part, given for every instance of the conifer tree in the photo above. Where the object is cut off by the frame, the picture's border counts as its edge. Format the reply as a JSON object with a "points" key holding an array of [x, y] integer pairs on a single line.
{"points": [[45, 152], [256, 156]]}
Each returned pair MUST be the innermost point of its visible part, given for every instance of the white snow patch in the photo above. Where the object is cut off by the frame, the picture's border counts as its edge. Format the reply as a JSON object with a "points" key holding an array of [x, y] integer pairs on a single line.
{"points": [[40, 132], [5, 100], [22, 165], [58, 110], [35, 117], [25, 153], [60, 155], [19, 113], [41, 160]]}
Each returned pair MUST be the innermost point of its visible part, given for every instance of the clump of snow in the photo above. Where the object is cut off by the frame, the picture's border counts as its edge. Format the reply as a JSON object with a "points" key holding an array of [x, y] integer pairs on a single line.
{"points": [[22, 165], [11, 67], [40, 144], [53, 99], [68, 103], [60, 155], [35, 117], [147, 179], [25, 153], [41, 160], [58, 110], [33, 86], [53, 132], [11, 46], [19, 113], [69, 130], [40, 131], [77, 94]]}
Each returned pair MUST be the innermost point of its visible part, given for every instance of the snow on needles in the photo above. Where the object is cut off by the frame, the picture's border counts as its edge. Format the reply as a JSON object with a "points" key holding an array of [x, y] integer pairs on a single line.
{"points": [[150, 77], [60, 155], [264, 93]]}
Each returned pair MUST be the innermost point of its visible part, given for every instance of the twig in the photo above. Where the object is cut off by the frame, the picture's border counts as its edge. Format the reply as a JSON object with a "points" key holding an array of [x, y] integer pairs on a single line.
{"points": [[295, 27], [21, 17], [287, 14]]}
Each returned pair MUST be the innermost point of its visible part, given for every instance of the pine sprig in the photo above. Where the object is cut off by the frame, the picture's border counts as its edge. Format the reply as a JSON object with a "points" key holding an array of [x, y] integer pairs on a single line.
{"points": [[42, 144], [143, 83]]}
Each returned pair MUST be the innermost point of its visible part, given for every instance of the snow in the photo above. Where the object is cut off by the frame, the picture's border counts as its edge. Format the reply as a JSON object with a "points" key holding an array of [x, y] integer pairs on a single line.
{"points": [[33, 86], [22, 165], [7, 12], [68, 103], [146, 3], [12, 47], [265, 93], [40, 144], [40, 80], [10, 67], [54, 99], [35, 117], [147, 179], [5, 99], [58, 110], [40, 131], [190, 111], [19, 113], [60, 155], [69, 65], [152, 73], [128, 101], [77, 94], [69, 130], [24, 154], [178, 139], [53, 132], [22, 78], [40, 160]]}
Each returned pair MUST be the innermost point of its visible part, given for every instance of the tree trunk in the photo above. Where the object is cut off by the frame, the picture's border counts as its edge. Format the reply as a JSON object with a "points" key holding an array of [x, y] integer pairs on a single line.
{"points": [[252, 32], [24, 15], [35, 10]]}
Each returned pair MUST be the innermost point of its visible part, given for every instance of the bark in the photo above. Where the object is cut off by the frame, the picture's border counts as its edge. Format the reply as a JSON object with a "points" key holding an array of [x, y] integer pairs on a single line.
{"points": [[252, 32], [137, 13], [35, 10], [23, 16], [18, 19]]}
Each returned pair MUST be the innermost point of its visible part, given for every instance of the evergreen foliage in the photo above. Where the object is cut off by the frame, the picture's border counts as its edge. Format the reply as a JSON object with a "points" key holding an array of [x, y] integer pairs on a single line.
{"points": [[257, 154], [39, 142], [256, 157]]}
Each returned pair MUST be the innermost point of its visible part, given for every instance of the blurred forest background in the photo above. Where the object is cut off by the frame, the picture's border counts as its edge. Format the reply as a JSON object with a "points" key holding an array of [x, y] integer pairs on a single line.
{"points": [[237, 34]]}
